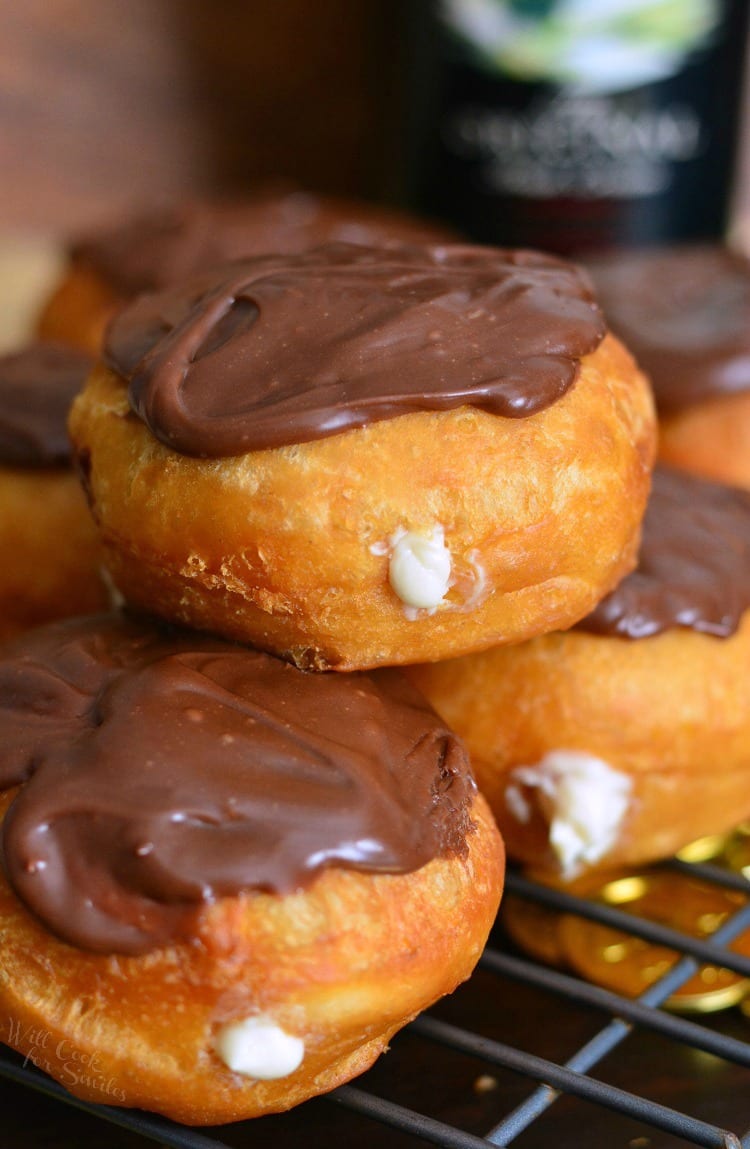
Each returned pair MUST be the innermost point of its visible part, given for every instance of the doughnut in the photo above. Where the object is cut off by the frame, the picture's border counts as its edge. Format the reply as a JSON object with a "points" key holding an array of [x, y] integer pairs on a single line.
{"points": [[685, 314], [627, 737], [357, 457], [50, 552], [227, 882], [167, 244]]}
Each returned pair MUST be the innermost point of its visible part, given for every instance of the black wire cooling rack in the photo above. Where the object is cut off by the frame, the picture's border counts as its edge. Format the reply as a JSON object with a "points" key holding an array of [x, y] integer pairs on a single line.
{"points": [[453, 1078]]}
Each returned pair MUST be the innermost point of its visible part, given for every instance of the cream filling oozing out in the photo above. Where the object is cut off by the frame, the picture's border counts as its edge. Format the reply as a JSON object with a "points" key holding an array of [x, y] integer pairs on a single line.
{"points": [[419, 568], [582, 799], [257, 1047]]}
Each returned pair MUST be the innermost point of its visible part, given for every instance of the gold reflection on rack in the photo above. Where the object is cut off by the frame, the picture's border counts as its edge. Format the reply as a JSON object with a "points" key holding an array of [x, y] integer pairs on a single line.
{"points": [[626, 964]]}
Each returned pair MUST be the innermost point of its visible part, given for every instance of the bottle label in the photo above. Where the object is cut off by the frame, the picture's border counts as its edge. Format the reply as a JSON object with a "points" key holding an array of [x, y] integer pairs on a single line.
{"points": [[547, 109], [572, 145]]}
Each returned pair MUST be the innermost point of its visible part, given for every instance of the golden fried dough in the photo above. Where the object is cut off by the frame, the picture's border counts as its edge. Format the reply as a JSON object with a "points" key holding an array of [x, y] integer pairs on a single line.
{"points": [[340, 966], [289, 548]]}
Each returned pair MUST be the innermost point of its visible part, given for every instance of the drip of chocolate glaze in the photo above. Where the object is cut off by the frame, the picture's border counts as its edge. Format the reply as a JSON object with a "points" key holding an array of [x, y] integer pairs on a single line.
{"points": [[37, 387], [161, 770], [282, 350], [693, 567], [684, 312]]}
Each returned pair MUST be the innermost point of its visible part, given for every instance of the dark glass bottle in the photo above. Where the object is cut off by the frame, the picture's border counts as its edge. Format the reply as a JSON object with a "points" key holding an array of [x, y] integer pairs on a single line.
{"points": [[574, 125]]}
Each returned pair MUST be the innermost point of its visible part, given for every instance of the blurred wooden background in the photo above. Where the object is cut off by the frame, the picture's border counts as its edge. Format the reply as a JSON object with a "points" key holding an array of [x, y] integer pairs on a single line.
{"points": [[107, 104]]}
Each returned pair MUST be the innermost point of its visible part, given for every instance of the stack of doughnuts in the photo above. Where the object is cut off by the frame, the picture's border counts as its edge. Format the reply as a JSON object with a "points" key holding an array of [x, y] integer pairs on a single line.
{"points": [[246, 872], [52, 561], [109, 268]]}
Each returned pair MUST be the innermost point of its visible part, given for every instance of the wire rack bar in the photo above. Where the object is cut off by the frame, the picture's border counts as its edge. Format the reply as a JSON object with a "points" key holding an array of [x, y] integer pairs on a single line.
{"points": [[563, 1079], [609, 1037], [406, 1120], [634, 1011], [705, 951], [715, 875]]}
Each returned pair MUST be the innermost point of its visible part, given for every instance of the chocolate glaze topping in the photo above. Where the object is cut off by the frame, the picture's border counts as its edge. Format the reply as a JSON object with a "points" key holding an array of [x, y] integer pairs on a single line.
{"points": [[281, 350], [694, 563], [162, 770], [154, 250], [37, 386], [685, 315]]}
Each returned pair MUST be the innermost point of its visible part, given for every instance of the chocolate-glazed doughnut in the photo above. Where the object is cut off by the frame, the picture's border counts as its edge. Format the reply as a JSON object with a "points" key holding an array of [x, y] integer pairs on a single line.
{"points": [[684, 312], [627, 737], [246, 877], [168, 244], [50, 552], [357, 457]]}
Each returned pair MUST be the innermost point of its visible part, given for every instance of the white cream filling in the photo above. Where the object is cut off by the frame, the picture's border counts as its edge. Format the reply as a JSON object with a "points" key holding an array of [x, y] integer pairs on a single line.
{"points": [[419, 568], [582, 798], [257, 1047]]}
